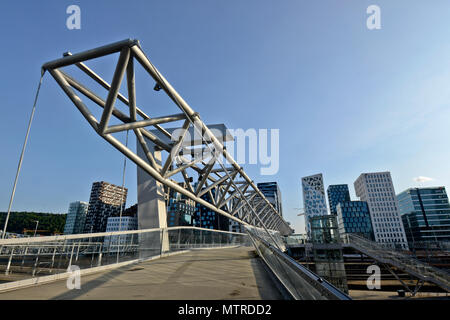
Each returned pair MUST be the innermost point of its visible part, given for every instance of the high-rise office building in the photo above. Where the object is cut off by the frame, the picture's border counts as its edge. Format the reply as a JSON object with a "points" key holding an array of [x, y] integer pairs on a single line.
{"points": [[76, 217], [313, 198], [272, 192], [378, 191], [354, 217], [337, 193], [207, 218], [105, 201], [180, 209], [425, 214]]}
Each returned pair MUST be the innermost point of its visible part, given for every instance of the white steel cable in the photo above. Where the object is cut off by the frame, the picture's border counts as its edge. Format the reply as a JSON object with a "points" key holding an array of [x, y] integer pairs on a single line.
{"points": [[121, 206], [19, 166]]}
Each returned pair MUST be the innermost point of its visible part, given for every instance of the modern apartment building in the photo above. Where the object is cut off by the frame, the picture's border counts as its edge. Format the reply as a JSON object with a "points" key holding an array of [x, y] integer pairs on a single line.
{"points": [[337, 193], [105, 201], [121, 224], [354, 217], [272, 192], [76, 217], [378, 191], [313, 198], [425, 214]]}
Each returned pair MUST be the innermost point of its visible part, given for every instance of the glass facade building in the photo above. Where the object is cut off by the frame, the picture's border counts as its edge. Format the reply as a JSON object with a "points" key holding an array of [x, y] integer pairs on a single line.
{"points": [[327, 250], [354, 217], [425, 214], [76, 217], [125, 223], [272, 192], [180, 209], [207, 218], [337, 193]]}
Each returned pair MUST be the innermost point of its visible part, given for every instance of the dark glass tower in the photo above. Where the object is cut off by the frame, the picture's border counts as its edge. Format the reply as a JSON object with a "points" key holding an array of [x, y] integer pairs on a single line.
{"points": [[354, 217], [337, 193], [272, 192], [425, 214]]}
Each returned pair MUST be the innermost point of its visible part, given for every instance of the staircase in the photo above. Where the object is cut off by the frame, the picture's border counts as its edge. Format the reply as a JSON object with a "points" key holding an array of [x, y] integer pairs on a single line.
{"points": [[399, 260]]}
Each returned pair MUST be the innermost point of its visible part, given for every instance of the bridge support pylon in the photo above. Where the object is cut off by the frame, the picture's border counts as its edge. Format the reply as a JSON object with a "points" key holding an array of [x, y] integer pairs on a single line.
{"points": [[152, 211]]}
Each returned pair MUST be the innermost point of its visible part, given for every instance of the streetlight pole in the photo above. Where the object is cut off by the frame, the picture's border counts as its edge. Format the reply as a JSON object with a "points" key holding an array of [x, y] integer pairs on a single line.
{"points": [[35, 229]]}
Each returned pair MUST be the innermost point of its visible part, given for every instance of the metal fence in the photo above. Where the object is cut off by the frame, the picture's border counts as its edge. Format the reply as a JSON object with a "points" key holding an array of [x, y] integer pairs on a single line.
{"points": [[22, 258]]}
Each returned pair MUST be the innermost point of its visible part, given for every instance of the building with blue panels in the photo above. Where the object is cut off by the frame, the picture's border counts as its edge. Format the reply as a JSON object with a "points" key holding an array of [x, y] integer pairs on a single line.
{"points": [[354, 217], [124, 223], [337, 193], [180, 210], [272, 192], [425, 214], [207, 218]]}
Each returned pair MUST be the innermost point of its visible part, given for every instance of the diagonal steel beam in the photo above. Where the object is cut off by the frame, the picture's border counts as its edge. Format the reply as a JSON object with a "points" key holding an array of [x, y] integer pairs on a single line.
{"points": [[115, 86]]}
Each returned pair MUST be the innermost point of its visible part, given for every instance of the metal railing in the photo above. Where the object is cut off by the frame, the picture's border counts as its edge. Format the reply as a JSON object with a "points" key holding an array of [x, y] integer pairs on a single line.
{"points": [[400, 260], [22, 258], [300, 282]]}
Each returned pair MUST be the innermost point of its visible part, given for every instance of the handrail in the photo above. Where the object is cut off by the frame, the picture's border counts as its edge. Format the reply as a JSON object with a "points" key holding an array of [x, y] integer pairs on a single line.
{"points": [[401, 260], [101, 234], [306, 285]]}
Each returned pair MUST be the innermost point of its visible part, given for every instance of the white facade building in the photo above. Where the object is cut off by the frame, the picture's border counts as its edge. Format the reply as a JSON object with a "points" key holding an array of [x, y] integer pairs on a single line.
{"points": [[378, 191], [313, 198], [127, 223], [76, 217]]}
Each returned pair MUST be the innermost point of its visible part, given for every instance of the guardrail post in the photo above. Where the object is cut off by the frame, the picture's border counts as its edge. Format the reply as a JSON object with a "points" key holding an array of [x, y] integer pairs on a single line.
{"points": [[24, 254], [92, 252], [71, 254], [100, 255], [9, 261], [179, 238], [53, 258], [78, 250], [36, 262], [131, 243]]}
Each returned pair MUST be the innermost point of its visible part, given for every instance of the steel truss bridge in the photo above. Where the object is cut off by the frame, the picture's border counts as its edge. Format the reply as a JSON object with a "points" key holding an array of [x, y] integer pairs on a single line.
{"points": [[233, 194], [163, 153]]}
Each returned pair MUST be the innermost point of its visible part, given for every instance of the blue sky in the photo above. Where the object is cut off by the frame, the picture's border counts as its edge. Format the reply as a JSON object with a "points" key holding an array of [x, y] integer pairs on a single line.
{"points": [[346, 99]]}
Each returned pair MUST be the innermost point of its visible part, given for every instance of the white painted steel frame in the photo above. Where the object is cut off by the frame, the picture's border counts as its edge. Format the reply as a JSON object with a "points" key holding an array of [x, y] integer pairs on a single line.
{"points": [[232, 196]]}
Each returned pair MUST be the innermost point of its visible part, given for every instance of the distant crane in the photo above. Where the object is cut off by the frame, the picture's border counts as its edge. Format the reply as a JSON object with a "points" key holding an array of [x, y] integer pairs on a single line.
{"points": [[48, 232], [302, 211]]}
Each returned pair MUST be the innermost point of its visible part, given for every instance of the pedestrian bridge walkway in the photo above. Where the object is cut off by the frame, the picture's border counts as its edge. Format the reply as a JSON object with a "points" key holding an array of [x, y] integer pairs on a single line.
{"points": [[228, 273]]}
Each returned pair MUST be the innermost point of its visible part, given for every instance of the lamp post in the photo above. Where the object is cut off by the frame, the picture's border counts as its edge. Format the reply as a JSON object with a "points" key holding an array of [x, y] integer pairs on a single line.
{"points": [[35, 229]]}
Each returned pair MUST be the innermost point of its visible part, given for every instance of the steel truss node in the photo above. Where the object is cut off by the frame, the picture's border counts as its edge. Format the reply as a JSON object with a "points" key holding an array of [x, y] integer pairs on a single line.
{"points": [[233, 194]]}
